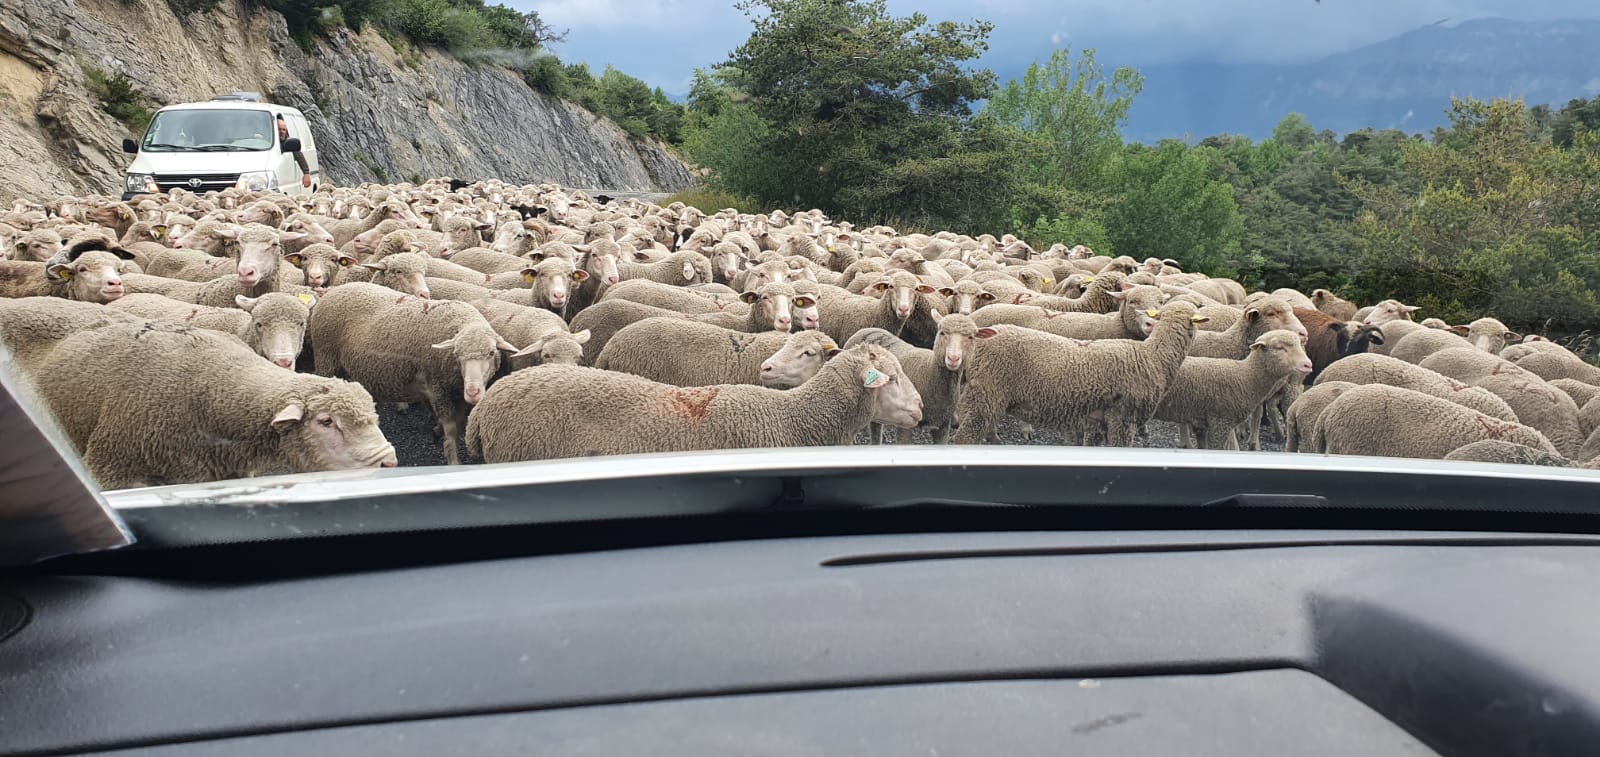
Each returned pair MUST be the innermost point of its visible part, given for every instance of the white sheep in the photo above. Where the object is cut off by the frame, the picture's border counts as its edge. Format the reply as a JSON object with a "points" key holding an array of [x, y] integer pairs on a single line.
{"points": [[1388, 421], [273, 325], [406, 349], [935, 372], [1218, 394], [567, 411]]}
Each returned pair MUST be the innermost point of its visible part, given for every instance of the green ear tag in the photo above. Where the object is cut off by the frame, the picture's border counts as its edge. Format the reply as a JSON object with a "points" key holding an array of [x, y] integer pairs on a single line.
{"points": [[873, 376]]}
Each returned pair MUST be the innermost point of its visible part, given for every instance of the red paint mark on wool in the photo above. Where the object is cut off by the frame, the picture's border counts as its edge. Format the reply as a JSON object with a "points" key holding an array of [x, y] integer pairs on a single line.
{"points": [[692, 403]]}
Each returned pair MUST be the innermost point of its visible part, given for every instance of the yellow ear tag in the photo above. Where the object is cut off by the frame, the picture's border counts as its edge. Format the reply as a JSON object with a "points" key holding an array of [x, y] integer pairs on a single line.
{"points": [[528, 277], [304, 298], [1152, 312], [1088, 279], [829, 346], [66, 274]]}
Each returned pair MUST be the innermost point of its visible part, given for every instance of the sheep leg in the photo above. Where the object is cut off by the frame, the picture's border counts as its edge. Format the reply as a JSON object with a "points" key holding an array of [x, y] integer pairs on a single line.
{"points": [[875, 433], [1119, 432], [1253, 429], [1184, 442], [1027, 432], [451, 421], [940, 433], [1221, 436], [977, 414]]}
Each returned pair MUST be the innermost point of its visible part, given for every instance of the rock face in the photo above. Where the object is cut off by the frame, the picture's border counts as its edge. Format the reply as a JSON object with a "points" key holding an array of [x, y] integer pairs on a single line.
{"points": [[375, 115]]}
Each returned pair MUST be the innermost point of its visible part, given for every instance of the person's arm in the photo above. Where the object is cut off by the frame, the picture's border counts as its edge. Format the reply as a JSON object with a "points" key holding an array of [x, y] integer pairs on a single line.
{"points": [[305, 170]]}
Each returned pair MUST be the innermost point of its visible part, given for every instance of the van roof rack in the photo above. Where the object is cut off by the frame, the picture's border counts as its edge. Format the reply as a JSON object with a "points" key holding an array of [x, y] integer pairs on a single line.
{"points": [[249, 97]]}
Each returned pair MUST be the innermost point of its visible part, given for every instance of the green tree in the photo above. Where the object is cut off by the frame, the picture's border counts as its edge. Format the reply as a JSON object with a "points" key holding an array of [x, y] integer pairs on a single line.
{"points": [[1169, 207], [1077, 108], [862, 113]]}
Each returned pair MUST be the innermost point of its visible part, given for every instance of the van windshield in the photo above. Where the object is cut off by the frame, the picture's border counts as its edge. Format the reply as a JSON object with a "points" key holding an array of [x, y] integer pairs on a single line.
{"points": [[209, 130]]}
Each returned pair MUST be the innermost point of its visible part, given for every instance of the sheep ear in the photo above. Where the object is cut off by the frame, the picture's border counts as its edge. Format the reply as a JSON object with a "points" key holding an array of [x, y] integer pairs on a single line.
{"points": [[873, 378], [530, 349], [529, 274], [291, 413], [345, 261], [245, 303], [536, 256], [749, 298], [1199, 318], [1257, 344], [985, 333], [1126, 286], [1117, 295], [295, 259], [947, 291], [1460, 329], [582, 337], [505, 346], [641, 256], [1252, 314], [291, 236], [925, 289], [446, 344], [227, 232], [59, 272], [580, 276], [688, 271], [376, 266]]}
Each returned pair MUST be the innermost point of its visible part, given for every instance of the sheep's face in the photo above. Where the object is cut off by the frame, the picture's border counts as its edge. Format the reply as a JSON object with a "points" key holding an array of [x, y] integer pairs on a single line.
{"points": [[966, 296], [956, 341], [1389, 310], [333, 428], [1488, 334], [1139, 308], [800, 358], [277, 325], [901, 291], [895, 400], [313, 231], [763, 274], [38, 245], [261, 212], [563, 349], [318, 263], [807, 308], [1285, 351], [477, 351], [211, 239], [94, 276], [772, 304], [552, 281], [1272, 314], [258, 250], [726, 260], [406, 272], [509, 238]]}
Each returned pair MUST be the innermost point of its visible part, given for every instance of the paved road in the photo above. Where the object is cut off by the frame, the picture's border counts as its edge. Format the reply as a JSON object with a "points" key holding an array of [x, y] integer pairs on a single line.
{"points": [[411, 433], [622, 194]]}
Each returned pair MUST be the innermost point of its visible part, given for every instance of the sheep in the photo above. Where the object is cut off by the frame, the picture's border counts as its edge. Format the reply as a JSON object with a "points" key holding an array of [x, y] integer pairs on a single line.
{"points": [[1326, 339], [683, 267], [37, 245], [272, 325], [29, 325], [318, 264], [1550, 365], [605, 318], [533, 414], [661, 295], [1383, 369], [1389, 421], [1488, 334], [1051, 381], [1470, 364], [802, 355], [1541, 406], [542, 334], [173, 289], [1218, 394], [552, 281], [903, 307], [1301, 418], [687, 353], [936, 372], [807, 305], [1098, 298], [1134, 319], [206, 408], [1294, 297], [1504, 452], [90, 272], [1531, 344], [1393, 332], [1580, 392], [1589, 417], [1383, 312], [1335, 306], [345, 230], [406, 349], [1434, 323], [487, 261], [1266, 314], [1418, 345]]}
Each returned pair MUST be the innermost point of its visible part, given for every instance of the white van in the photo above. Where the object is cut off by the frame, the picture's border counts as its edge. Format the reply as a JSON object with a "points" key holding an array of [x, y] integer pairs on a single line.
{"points": [[229, 141]]}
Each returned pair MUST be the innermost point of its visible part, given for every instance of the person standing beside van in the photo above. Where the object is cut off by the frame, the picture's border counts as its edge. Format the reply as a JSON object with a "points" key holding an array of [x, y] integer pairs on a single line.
{"points": [[299, 157]]}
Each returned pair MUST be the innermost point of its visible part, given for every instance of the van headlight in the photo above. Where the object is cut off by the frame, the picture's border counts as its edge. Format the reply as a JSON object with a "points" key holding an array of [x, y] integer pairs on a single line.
{"points": [[259, 181], [142, 182]]}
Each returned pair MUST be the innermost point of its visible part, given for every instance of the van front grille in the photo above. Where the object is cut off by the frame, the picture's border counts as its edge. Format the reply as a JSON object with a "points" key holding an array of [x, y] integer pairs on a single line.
{"points": [[196, 182]]}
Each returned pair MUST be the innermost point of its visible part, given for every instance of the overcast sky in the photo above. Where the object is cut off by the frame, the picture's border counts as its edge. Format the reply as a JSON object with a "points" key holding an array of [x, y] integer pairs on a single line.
{"points": [[663, 41]]}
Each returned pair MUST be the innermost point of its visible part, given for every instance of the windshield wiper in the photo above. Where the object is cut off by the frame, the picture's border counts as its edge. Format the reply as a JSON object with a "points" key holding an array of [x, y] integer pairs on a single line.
{"points": [[217, 148], [165, 146]]}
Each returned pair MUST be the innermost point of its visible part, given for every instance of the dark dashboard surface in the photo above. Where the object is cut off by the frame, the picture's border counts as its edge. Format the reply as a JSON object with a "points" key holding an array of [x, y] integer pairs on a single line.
{"points": [[986, 643]]}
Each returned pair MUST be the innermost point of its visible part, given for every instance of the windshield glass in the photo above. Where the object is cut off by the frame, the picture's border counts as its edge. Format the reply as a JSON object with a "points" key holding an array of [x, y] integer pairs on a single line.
{"points": [[1314, 228], [213, 130]]}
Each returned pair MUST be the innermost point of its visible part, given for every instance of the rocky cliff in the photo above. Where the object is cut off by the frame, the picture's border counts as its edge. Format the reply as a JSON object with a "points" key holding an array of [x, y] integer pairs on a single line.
{"points": [[376, 115]]}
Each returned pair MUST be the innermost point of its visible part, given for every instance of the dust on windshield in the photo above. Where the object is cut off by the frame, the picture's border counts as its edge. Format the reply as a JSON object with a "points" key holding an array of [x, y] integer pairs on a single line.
{"points": [[852, 227]]}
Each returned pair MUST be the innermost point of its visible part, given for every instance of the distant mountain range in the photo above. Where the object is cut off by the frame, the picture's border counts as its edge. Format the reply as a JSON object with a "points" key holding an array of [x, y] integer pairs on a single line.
{"points": [[1405, 82]]}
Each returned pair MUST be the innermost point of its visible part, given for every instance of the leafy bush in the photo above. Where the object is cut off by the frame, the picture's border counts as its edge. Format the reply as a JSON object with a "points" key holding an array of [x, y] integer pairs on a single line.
{"points": [[119, 98], [547, 75], [710, 201], [1067, 230]]}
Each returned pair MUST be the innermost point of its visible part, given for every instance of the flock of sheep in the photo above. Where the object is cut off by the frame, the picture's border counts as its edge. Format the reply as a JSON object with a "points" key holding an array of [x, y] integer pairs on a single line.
{"points": [[180, 338]]}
